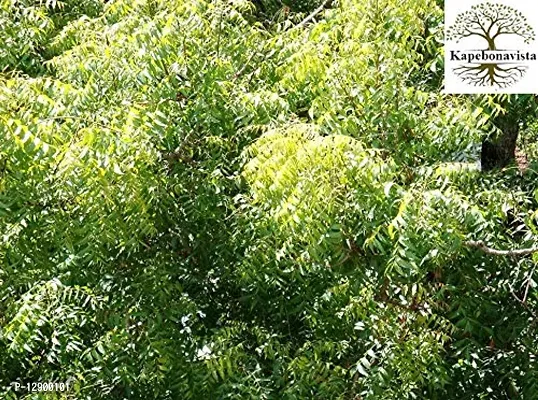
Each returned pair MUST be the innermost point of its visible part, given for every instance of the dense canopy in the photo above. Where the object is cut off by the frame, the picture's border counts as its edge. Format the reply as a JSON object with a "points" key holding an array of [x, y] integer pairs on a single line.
{"points": [[234, 199]]}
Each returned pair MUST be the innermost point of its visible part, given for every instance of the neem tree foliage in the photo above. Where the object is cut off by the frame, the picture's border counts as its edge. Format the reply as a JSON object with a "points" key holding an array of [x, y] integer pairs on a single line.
{"points": [[196, 203]]}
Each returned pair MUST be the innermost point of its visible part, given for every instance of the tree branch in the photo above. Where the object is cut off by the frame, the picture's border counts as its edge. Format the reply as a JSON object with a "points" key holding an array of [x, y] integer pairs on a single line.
{"points": [[477, 21], [529, 281], [526, 306], [488, 250], [244, 67], [312, 15]]}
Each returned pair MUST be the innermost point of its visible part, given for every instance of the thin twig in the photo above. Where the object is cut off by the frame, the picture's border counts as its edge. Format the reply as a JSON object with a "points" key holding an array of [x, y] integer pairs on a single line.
{"points": [[525, 305], [311, 16], [488, 250], [219, 33], [244, 67], [529, 281]]}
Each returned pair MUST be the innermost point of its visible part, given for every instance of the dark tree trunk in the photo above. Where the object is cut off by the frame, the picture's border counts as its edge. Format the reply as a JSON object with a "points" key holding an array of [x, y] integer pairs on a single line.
{"points": [[498, 152], [491, 44]]}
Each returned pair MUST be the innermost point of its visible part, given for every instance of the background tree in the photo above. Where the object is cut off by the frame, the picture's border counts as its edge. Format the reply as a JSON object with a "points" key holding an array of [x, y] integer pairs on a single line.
{"points": [[510, 115]]}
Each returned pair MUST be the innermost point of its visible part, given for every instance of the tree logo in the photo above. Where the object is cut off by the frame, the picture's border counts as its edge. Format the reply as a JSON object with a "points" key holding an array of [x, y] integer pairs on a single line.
{"points": [[490, 48]]}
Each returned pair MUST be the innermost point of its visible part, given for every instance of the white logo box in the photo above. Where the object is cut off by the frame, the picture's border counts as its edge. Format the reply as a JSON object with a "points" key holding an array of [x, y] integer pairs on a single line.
{"points": [[491, 47]]}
